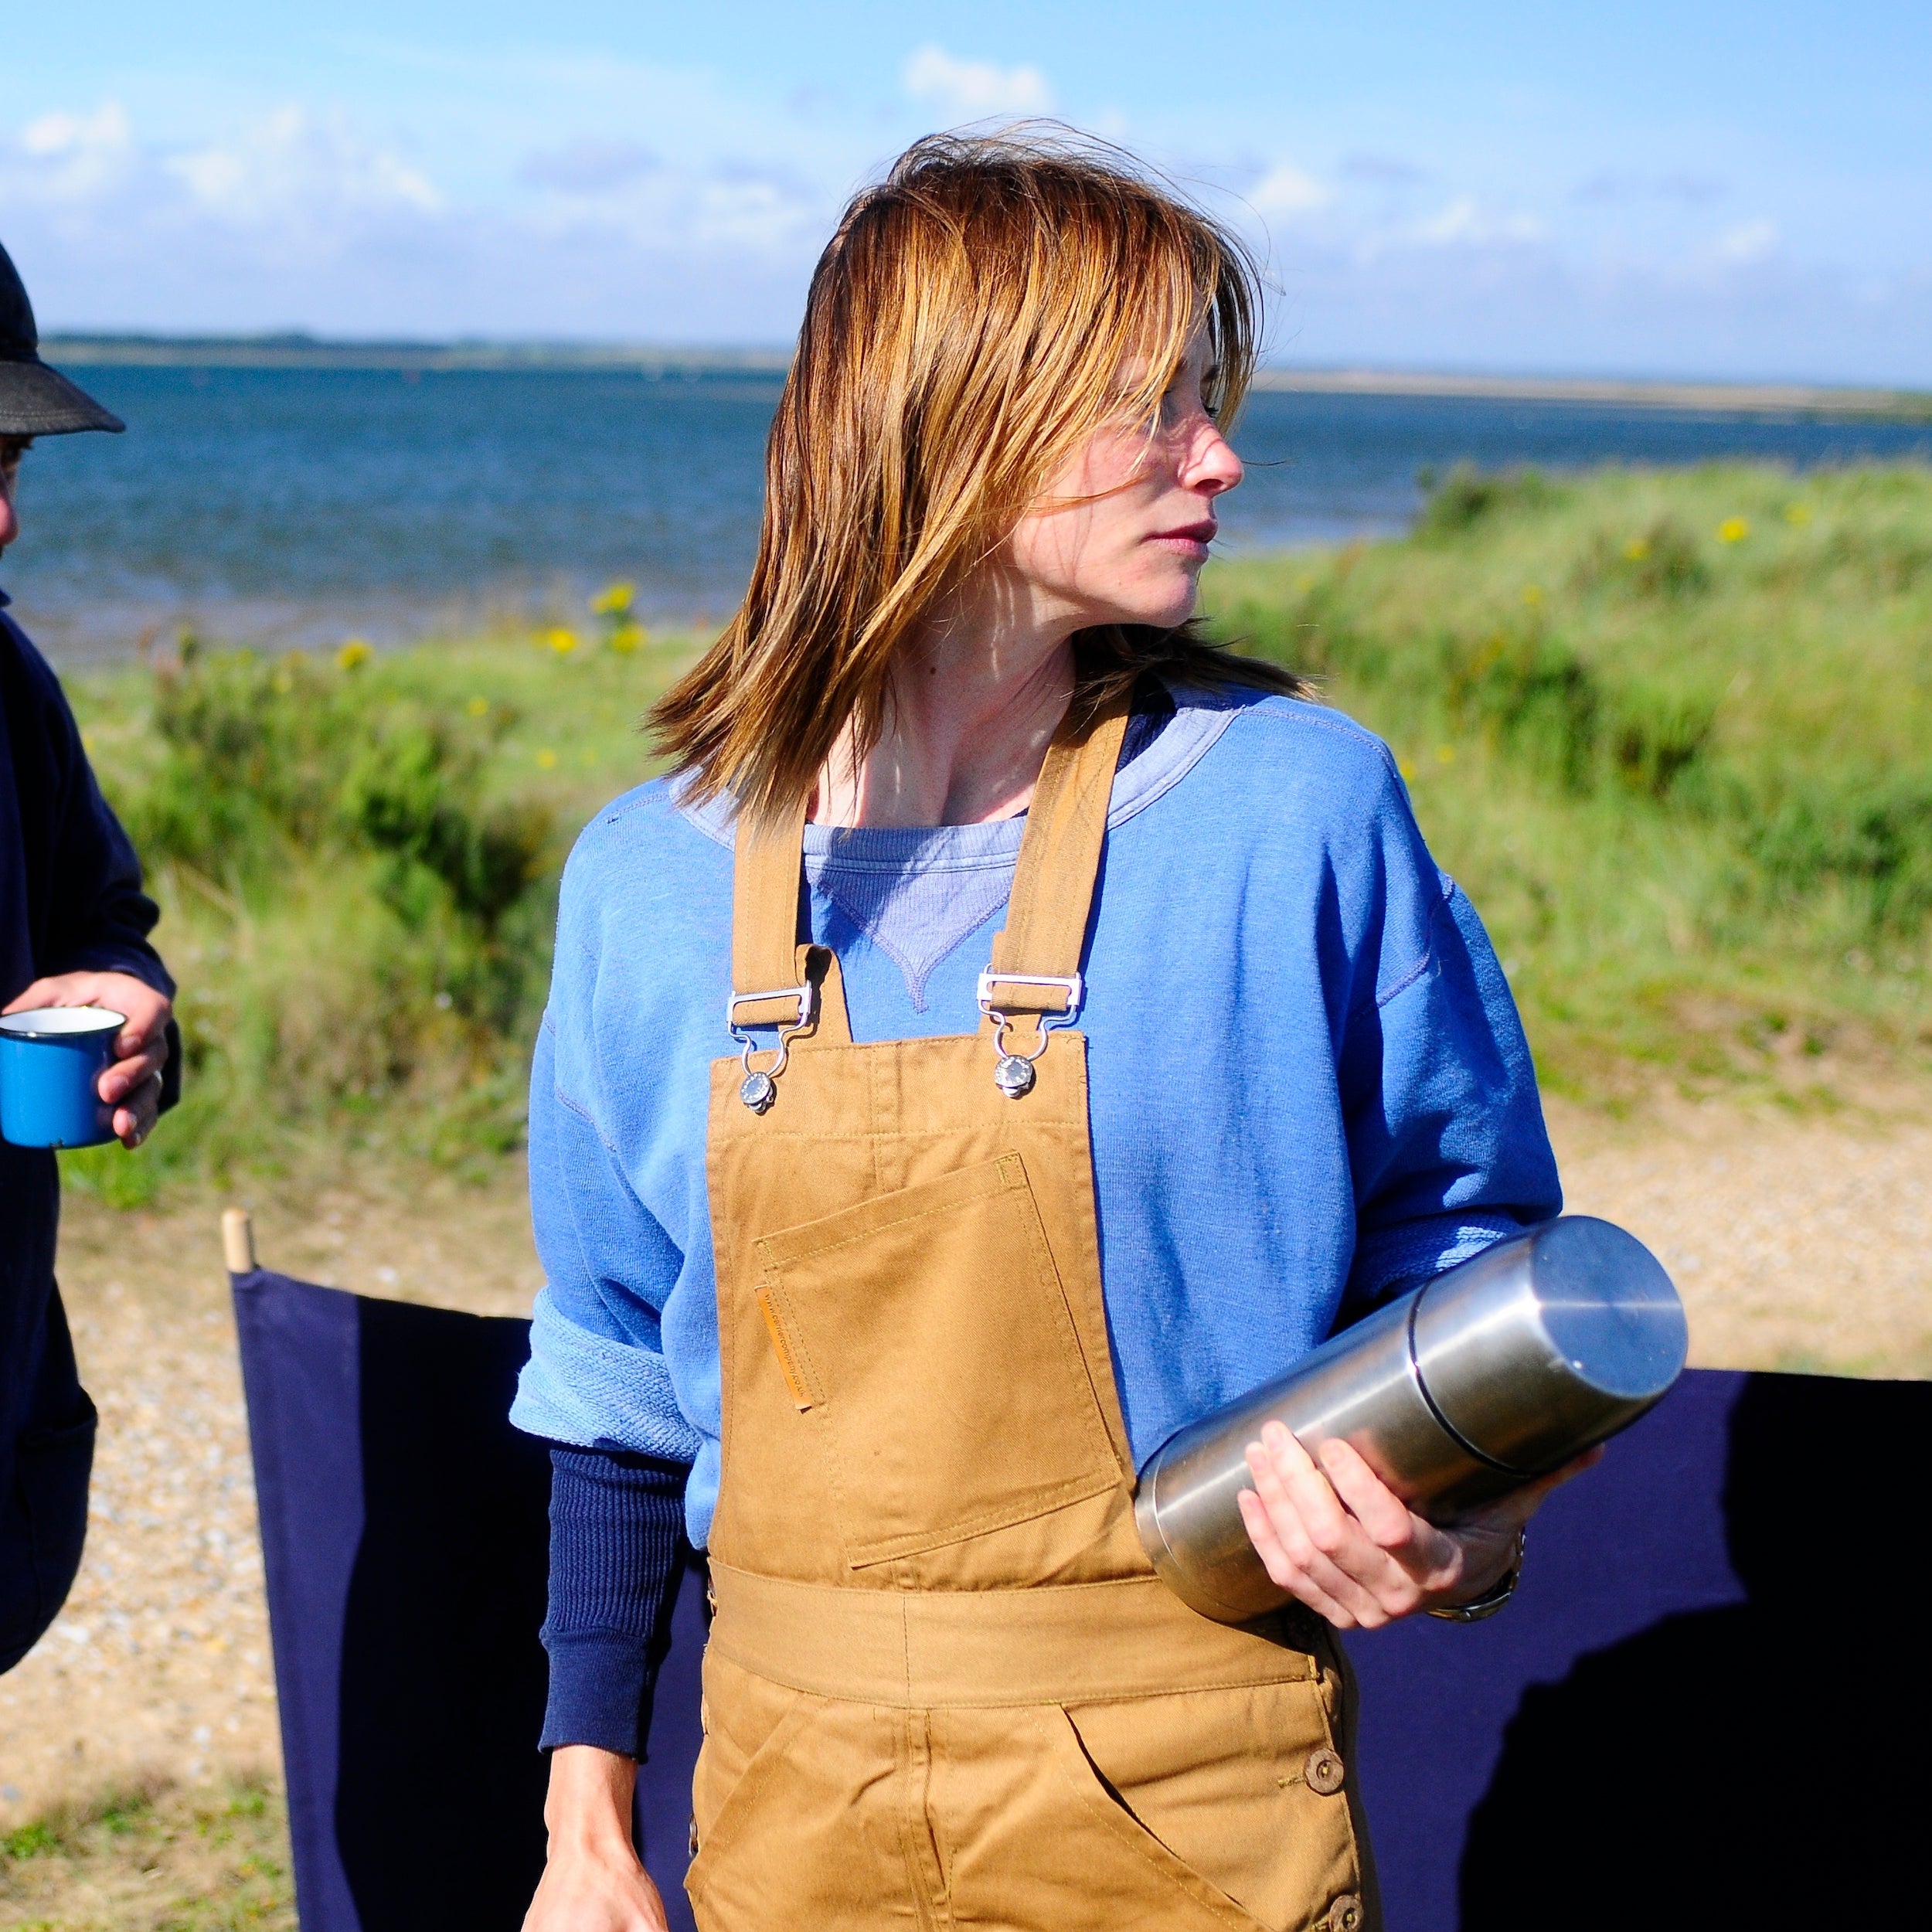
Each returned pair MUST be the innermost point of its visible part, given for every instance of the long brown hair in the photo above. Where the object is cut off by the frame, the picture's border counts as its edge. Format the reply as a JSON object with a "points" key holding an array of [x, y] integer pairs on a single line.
{"points": [[964, 333]]}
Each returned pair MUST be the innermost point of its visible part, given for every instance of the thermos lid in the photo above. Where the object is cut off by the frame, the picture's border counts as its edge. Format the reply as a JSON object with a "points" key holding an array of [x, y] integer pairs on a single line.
{"points": [[1548, 1344]]}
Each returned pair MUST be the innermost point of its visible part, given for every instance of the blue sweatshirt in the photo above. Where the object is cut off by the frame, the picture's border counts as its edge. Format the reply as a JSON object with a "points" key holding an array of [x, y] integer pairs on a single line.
{"points": [[1308, 1084]]}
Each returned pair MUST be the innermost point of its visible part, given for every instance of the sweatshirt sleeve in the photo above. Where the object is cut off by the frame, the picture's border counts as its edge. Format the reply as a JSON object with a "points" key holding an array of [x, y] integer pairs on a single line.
{"points": [[597, 1377], [1447, 1145]]}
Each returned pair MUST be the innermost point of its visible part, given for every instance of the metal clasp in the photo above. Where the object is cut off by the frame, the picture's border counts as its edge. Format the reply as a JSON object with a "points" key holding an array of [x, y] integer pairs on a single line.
{"points": [[760, 1086], [1013, 1074], [1070, 984]]}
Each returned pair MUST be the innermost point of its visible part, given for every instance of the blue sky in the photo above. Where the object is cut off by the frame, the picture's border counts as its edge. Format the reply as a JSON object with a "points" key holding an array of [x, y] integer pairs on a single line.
{"points": [[1685, 190]]}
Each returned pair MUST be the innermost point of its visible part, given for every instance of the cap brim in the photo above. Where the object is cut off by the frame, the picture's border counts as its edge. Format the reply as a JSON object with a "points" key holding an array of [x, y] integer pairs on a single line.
{"points": [[35, 400]]}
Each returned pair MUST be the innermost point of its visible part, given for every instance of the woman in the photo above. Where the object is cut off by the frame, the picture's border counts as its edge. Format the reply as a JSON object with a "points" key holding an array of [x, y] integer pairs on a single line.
{"points": [[1099, 1032]]}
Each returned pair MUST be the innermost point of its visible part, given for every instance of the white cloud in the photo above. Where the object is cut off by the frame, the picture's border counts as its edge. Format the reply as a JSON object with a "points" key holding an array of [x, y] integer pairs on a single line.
{"points": [[293, 161], [72, 158], [1464, 223], [1286, 190], [969, 89], [1751, 241]]}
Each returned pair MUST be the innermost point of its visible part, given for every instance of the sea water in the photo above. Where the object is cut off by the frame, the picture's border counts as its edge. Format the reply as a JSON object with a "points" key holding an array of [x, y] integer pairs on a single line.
{"points": [[298, 506]]}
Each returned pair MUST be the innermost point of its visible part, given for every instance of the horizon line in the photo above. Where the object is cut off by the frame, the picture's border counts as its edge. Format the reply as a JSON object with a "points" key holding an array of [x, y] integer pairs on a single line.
{"points": [[296, 348]]}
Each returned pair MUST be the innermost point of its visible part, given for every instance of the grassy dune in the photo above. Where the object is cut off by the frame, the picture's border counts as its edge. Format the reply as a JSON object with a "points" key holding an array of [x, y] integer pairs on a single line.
{"points": [[1673, 733], [1672, 730], [356, 858]]}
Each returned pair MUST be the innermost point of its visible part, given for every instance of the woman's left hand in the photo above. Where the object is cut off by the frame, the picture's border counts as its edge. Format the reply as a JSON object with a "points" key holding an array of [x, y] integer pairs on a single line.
{"points": [[1335, 1535], [133, 1084]]}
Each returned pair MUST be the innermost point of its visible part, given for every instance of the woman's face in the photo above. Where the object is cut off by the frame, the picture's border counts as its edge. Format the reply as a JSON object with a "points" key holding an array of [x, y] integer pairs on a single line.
{"points": [[1121, 533]]}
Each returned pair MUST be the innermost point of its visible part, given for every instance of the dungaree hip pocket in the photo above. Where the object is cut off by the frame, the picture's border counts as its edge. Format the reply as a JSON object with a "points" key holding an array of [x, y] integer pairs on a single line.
{"points": [[926, 1339]]}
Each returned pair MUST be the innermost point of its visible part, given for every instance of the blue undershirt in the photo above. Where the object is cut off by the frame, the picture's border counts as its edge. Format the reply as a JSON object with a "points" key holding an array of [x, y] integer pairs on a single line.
{"points": [[1308, 1088]]}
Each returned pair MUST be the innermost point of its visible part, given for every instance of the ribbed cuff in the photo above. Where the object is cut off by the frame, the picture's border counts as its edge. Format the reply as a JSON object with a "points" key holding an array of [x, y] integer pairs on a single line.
{"points": [[616, 1557], [601, 1687]]}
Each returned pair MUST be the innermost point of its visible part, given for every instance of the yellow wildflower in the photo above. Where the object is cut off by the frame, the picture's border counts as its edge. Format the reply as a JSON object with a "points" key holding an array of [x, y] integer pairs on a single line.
{"points": [[1638, 549], [478, 707], [627, 637], [1798, 513], [1406, 769], [354, 654], [1446, 754], [546, 759], [1733, 529], [1532, 594], [614, 599], [560, 641]]}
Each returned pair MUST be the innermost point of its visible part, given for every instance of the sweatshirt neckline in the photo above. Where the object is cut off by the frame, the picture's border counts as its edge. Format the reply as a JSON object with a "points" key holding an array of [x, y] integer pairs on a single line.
{"points": [[1200, 717]]}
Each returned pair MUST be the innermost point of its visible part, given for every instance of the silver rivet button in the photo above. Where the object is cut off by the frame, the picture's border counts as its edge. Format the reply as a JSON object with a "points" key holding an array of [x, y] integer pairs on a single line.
{"points": [[1013, 1076], [757, 1091]]}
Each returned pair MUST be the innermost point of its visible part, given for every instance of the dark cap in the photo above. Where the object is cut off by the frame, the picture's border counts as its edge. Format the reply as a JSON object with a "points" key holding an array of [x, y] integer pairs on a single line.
{"points": [[35, 400]]}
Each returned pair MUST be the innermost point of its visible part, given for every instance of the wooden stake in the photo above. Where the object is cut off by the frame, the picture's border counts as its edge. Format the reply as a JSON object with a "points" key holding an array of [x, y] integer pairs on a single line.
{"points": [[238, 1241]]}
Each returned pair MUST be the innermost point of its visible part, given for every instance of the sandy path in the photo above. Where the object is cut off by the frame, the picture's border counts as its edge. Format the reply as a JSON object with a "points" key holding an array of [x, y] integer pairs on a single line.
{"points": [[1796, 1245]]}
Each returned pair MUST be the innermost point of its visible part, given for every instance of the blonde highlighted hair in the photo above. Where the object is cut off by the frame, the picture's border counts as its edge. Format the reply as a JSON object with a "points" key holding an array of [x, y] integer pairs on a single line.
{"points": [[966, 332]]}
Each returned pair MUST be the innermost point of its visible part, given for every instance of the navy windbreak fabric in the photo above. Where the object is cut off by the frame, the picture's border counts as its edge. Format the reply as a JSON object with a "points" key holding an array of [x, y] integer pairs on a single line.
{"points": [[1667, 1724], [405, 1534]]}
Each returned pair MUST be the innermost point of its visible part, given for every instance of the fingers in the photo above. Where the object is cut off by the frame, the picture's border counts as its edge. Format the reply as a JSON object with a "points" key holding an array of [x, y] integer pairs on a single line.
{"points": [[135, 1122], [1283, 1569], [125, 1076], [1516, 1508], [1324, 1555]]}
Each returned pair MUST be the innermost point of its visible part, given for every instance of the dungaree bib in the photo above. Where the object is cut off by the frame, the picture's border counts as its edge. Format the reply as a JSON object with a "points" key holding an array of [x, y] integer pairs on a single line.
{"points": [[943, 1686]]}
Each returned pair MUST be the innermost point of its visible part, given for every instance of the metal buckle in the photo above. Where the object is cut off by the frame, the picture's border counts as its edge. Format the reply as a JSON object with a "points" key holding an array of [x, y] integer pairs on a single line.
{"points": [[1071, 983], [806, 996], [760, 1086], [1013, 1074]]}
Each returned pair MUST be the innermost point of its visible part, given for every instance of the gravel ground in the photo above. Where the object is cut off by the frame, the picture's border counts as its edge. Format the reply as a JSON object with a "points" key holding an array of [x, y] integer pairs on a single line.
{"points": [[1797, 1244]]}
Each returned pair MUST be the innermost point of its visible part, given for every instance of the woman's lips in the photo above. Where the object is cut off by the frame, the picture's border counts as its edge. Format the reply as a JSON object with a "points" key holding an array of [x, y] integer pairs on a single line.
{"points": [[1191, 539]]}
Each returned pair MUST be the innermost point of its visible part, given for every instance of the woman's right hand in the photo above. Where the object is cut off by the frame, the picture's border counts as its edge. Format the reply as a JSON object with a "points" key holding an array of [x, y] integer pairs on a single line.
{"points": [[594, 1881]]}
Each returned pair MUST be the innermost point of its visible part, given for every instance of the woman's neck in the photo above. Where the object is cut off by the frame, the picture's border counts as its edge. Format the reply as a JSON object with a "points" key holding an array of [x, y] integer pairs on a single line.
{"points": [[973, 709]]}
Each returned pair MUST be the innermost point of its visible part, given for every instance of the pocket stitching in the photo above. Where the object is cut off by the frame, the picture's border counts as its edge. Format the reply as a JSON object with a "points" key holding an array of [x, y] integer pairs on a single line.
{"points": [[737, 1801], [964, 1188], [778, 1254], [1036, 1503], [1083, 1778]]}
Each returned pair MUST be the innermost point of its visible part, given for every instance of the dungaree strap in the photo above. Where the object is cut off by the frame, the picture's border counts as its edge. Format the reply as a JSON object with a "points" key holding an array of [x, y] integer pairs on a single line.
{"points": [[1047, 918], [776, 979], [1059, 863]]}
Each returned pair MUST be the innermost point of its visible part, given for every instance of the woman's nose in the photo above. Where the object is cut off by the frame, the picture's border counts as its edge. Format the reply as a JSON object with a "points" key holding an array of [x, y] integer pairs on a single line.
{"points": [[1212, 463]]}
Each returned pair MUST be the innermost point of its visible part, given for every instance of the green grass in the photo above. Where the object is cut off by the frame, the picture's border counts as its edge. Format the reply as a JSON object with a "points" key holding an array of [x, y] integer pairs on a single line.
{"points": [[1672, 730], [356, 858], [152, 1858]]}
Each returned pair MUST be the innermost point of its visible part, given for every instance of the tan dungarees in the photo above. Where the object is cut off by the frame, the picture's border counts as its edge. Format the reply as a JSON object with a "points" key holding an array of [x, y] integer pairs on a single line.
{"points": [[943, 1686]]}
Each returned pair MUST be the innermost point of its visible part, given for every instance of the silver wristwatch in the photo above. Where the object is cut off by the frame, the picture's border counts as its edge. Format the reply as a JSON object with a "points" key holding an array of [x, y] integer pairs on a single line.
{"points": [[1492, 1598]]}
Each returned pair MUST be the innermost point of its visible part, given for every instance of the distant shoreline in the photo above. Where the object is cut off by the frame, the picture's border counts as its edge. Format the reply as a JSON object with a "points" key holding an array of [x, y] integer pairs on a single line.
{"points": [[1808, 399], [303, 351]]}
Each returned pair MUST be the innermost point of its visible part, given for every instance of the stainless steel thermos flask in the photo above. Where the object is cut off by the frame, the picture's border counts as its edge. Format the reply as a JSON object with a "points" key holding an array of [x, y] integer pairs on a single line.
{"points": [[1494, 1374]]}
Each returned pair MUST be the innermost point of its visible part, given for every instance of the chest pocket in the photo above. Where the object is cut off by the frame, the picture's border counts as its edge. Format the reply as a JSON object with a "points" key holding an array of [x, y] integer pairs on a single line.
{"points": [[926, 1342]]}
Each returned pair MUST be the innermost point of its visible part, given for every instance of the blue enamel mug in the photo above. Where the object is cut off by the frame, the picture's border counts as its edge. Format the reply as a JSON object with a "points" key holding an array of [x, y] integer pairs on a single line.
{"points": [[51, 1062]]}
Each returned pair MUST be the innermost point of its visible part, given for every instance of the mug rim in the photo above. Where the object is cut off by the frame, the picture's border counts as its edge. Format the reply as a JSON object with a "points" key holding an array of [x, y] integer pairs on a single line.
{"points": [[61, 1022]]}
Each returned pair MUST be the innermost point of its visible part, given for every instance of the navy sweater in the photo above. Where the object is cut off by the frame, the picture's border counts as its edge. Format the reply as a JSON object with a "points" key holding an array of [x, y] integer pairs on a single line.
{"points": [[70, 901]]}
